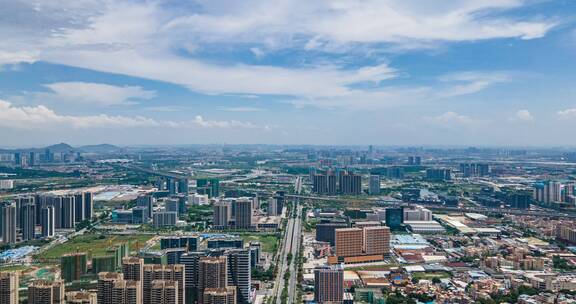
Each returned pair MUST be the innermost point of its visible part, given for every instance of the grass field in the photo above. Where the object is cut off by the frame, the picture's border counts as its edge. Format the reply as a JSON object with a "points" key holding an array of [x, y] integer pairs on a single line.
{"points": [[430, 275], [14, 268], [269, 242], [94, 244]]}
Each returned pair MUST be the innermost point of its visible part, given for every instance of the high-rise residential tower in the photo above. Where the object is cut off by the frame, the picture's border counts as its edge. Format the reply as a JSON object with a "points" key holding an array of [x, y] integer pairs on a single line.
{"points": [[328, 284], [9, 284]]}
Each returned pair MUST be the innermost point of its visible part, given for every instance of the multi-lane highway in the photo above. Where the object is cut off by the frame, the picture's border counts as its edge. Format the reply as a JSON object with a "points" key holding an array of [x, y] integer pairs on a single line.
{"points": [[297, 231], [290, 245]]}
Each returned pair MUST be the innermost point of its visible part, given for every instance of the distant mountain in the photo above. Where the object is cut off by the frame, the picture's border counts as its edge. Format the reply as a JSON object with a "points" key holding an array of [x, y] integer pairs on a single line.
{"points": [[65, 148], [100, 149], [61, 147]]}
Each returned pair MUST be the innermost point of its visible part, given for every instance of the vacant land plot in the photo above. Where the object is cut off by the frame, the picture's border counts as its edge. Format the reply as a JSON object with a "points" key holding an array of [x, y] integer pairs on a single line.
{"points": [[269, 242], [95, 244]]}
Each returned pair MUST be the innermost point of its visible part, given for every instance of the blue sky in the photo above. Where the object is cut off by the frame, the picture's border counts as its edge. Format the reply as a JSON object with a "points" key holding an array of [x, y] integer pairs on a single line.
{"points": [[446, 72]]}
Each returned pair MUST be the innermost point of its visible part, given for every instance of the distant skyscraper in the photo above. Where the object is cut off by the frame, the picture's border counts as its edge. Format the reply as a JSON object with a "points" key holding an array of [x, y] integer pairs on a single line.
{"points": [[31, 159], [146, 201], [414, 160], [183, 186], [47, 221], [311, 173], [20, 202], [222, 212], [139, 215], [555, 191], [548, 192], [239, 272], [395, 172], [171, 205], [279, 197], [350, 183], [394, 217], [17, 159], [438, 175], [42, 292], [374, 187], [332, 181], [272, 208], [28, 211], [474, 169], [208, 186], [172, 185], [68, 214], [48, 156], [8, 223], [519, 200], [79, 205], [320, 184], [9, 284], [328, 284], [568, 192], [243, 216], [165, 219]]}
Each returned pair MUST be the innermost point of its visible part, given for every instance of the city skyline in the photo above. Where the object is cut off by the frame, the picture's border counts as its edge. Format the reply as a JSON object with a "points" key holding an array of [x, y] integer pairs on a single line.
{"points": [[490, 73]]}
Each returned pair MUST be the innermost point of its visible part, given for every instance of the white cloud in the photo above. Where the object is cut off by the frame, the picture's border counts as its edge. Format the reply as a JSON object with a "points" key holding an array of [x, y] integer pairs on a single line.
{"points": [[369, 21], [470, 82], [522, 116], [257, 52], [567, 114], [16, 57], [452, 119], [41, 117], [97, 93], [38, 117], [224, 124], [148, 39], [242, 109], [222, 79]]}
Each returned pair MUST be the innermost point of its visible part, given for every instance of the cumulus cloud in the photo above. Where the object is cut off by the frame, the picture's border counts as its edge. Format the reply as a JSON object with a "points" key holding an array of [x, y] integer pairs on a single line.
{"points": [[97, 93], [200, 121], [522, 116], [41, 117], [567, 114]]}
